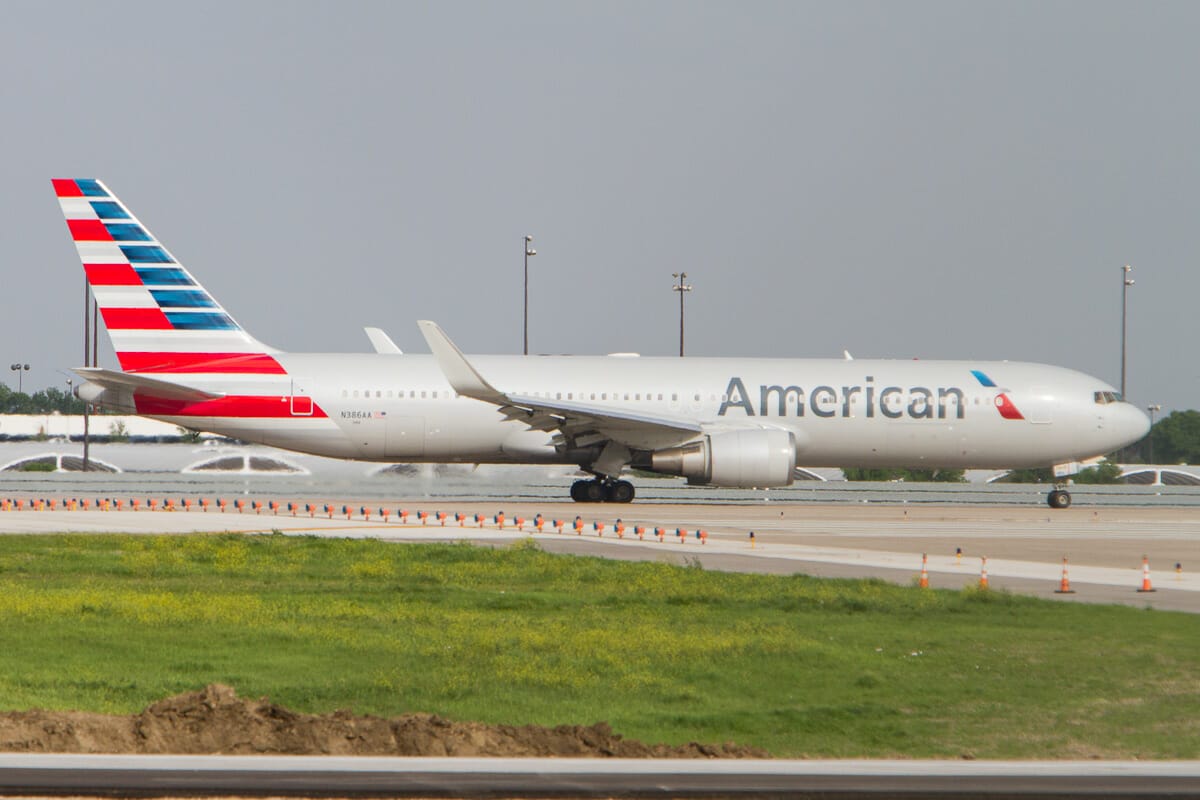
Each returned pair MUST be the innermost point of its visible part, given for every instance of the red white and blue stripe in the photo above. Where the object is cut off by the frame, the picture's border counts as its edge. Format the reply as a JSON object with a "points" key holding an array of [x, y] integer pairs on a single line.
{"points": [[159, 317]]}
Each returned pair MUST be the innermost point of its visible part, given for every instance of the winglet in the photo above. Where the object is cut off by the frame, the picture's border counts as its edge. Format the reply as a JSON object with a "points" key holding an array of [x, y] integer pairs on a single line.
{"points": [[382, 342], [463, 377]]}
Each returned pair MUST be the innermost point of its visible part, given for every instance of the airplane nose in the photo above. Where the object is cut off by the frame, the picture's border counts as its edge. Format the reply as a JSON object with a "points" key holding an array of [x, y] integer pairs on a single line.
{"points": [[1132, 423]]}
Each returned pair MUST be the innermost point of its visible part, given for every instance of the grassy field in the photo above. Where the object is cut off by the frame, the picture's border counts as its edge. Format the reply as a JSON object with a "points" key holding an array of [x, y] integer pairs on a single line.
{"points": [[800, 666]]}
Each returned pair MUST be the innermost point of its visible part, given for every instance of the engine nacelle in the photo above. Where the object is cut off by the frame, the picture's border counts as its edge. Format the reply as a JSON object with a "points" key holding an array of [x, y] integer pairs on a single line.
{"points": [[743, 459]]}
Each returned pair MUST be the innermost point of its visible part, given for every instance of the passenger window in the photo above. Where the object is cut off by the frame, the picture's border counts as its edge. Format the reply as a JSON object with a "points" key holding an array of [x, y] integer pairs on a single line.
{"points": [[356, 392], [345, 392]]}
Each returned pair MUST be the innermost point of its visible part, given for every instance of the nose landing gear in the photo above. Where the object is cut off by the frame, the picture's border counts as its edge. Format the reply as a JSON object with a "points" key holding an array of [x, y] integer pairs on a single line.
{"points": [[1058, 498]]}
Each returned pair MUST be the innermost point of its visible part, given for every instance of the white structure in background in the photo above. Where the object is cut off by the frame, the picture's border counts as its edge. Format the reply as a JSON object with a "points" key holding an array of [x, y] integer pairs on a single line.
{"points": [[68, 426]]}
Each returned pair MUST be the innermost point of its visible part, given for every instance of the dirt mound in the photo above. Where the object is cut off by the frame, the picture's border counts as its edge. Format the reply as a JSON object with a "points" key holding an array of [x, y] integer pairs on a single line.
{"points": [[216, 720]]}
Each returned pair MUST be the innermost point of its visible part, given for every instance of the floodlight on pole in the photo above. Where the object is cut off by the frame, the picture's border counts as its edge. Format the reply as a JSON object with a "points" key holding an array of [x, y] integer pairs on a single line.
{"points": [[529, 251], [1126, 282], [20, 369], [680, 287], [1153, 408]]}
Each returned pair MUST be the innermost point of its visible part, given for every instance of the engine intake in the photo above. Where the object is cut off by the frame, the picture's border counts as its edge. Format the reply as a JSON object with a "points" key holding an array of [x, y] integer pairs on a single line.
{"points": [[742, 459]]}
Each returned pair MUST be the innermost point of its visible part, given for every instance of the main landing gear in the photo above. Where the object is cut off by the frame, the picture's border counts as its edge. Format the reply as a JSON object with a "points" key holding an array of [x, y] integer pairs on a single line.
{"points": [[602, 491], [1058, 498]]}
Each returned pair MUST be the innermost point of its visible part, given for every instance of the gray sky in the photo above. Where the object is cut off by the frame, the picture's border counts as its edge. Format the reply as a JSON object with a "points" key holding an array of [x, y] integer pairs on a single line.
{"points": [[942, 180]]}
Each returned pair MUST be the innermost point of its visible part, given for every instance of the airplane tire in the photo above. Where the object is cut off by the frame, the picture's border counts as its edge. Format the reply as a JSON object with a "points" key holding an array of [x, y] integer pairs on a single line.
{"points": [[594, 492], [621, 492], [579, 490], [1059, 498]]}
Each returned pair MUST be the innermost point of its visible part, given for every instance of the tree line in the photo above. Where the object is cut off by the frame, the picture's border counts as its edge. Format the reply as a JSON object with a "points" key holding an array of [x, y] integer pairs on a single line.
{"points": [[44, 401]]}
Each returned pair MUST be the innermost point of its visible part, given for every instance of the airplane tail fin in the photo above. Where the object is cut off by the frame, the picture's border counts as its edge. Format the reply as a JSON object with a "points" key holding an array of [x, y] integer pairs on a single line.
{"points": [[159, 318]]}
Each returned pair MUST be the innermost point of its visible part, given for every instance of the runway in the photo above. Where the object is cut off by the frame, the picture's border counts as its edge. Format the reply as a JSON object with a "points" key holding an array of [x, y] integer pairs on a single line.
{"points": [[1024, 546], [573, 777]]}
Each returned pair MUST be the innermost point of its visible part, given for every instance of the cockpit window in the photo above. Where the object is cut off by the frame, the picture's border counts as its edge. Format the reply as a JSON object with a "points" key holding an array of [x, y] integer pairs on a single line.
{"points": [[1104, 398]]}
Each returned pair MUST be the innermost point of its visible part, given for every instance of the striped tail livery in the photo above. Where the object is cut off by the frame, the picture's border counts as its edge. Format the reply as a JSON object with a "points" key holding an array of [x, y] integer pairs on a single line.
{"points": [[160, 318]]}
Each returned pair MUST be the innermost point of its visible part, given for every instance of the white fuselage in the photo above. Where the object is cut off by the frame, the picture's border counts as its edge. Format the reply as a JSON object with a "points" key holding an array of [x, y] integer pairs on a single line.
{"points": [[843, 413]]}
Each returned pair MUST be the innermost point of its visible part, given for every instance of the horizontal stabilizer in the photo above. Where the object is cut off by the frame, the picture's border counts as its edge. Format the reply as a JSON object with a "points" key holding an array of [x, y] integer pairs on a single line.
{"points": [[151, 387]]}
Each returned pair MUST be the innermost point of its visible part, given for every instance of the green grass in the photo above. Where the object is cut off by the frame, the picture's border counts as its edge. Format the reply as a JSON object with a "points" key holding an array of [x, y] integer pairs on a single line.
{"points": [[800, 666]]}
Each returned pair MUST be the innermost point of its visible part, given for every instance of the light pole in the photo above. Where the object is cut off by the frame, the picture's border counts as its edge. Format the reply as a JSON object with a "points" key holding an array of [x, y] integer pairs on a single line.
{"points": [[1126, 282], [88, 350], [20, 369], [1153, 408], [529, 251], [680, 287]]}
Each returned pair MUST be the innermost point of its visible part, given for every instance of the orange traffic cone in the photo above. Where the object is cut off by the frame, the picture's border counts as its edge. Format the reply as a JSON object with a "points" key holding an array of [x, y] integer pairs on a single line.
{"points": [[924, 571], [1064, 586], [1146, 587]]}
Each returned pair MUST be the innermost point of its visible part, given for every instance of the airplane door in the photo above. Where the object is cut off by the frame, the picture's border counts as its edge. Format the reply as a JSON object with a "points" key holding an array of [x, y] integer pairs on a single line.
{"points": [[302, 402], [1039, 406]]}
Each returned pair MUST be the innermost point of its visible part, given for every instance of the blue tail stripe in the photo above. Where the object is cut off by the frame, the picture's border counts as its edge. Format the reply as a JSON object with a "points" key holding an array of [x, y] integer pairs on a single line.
{"points": [[90, 187], [127, 232], [107, 210], [201, 321]]}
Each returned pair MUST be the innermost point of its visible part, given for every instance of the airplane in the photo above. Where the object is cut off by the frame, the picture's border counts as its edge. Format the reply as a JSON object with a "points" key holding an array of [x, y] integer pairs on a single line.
{"points": [[734, 422]]}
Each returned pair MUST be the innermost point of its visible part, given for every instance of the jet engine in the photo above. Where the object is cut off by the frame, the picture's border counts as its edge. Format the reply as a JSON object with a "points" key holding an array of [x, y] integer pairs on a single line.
{"points": [[743, 458]]}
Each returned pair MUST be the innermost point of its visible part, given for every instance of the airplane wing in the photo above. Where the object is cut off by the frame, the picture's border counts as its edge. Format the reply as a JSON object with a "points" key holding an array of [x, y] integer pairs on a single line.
{"points": [[110, 379], [577, 423], [381, 341]]}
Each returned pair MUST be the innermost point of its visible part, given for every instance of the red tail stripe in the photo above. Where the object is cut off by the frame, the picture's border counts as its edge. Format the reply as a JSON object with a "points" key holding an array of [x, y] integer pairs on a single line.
{"points": [[255, 406], [123, 319], [228, 363], [89, 230], [65, 188], [111, 275]]}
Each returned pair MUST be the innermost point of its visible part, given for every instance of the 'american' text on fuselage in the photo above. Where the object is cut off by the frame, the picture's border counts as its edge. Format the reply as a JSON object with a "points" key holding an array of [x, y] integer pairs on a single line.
{"points": [[893, 402]]}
